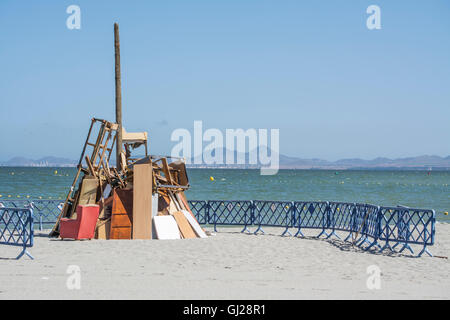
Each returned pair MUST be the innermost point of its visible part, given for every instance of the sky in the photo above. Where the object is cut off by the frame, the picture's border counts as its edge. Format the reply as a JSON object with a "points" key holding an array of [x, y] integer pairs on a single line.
{"points": [[311, 69]]}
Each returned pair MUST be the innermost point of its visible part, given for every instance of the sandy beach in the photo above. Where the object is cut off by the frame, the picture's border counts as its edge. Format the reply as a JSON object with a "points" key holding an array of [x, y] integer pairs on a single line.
{"points": [[229, 265]]}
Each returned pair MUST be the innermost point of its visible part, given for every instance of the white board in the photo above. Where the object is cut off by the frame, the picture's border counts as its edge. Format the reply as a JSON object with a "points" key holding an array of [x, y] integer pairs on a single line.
{"points": [[154, 204], [194, 224], [166, 228]]}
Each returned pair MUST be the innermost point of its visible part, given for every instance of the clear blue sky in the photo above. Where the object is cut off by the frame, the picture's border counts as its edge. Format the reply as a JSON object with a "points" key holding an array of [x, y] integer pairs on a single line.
{"points": [[310, 68]]}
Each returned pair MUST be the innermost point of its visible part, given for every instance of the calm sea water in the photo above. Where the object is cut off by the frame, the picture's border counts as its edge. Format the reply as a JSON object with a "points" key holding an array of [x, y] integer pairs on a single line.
{"points": [[409, 188]]}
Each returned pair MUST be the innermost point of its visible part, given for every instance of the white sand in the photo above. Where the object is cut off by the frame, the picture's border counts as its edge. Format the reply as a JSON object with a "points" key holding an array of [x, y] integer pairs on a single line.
{"points": [[229, 265]]}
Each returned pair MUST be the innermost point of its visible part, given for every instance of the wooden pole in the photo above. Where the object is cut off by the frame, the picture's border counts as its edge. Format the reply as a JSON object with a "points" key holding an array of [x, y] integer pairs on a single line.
{"points": [[118, 95]]}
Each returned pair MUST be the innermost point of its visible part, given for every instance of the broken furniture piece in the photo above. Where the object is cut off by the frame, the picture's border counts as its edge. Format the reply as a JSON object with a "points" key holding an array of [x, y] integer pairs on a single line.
{"points": [[133, 140], [91, 165], [131, 194]]}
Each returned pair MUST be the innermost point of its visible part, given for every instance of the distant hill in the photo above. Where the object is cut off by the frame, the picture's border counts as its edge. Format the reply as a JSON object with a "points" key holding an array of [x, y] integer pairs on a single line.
{"points": [[420, 162], [286, 162]]}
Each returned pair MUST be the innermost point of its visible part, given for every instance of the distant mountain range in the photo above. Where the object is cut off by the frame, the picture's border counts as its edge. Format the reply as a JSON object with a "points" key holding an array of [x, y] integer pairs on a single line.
{"points": [[421, 162]]}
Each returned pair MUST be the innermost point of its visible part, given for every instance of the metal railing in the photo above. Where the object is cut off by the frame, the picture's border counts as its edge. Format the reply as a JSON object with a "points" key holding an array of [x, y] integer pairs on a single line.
{"points": [[16, 228], [367, 225], [46, 211]]}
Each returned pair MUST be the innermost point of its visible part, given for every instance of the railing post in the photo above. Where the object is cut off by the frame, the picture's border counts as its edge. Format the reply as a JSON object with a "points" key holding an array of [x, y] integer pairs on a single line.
{"points": [[326, 222], [405, 231], [364, 227], [288, 219], [208, 206], [377, 230], [388, 233], [252, 212], [245, 218], [293, 213], [23, 226], [351, 222], [433, 230], [332, 221], [206, 210], [259, 220], [299, 222]]}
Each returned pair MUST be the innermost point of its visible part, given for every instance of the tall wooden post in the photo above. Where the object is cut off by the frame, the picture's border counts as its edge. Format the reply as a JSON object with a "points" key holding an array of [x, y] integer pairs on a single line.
{"points": [[118, 96]]}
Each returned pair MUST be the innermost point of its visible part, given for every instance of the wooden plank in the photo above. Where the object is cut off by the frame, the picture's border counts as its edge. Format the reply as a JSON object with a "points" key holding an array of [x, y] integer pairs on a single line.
{"points": [[118, 94], [198, 230], [185, 227], [104, 203], [181, 196], [103, 229], [88, 191], [142, 201], [118, 177], [91, 168], [166, 171], [122, 214], [172, 205], [180, 167], [163, 204]]}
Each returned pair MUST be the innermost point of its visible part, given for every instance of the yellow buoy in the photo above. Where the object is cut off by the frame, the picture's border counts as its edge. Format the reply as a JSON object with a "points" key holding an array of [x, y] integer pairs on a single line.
{"points": [[56, 172], [446, 213], [9, 196], [211, 178]]}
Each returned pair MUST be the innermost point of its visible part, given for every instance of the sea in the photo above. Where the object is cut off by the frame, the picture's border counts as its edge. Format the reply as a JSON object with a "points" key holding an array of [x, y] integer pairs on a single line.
{"points": [[416, 189]]}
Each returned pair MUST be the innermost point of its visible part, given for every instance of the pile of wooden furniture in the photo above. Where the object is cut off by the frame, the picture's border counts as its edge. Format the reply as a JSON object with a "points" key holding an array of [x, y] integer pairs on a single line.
{"points": [[140, 198]]}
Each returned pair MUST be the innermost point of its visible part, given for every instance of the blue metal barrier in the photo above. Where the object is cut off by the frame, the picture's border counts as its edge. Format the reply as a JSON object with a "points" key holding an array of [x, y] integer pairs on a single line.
{"points": [[366, 224], [16, 228], [273, 214], [229, 212], [46, 211], [311, 215], [402, 225]]}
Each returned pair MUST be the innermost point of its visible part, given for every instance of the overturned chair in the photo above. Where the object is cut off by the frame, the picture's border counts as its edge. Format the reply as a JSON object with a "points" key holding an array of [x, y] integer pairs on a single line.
{"points": [[83, 227]]}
